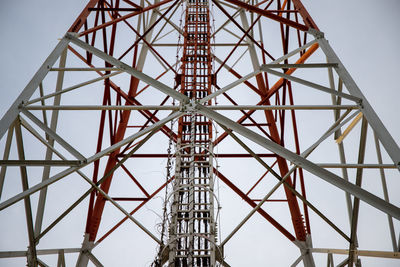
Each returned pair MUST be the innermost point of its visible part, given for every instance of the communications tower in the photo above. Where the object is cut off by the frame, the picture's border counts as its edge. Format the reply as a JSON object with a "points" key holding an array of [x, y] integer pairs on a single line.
{"points": [[196, 133]]}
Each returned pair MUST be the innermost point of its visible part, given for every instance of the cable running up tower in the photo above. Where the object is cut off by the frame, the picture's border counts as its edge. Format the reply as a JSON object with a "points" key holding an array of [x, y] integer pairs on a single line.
{"points": [[192, 229]]}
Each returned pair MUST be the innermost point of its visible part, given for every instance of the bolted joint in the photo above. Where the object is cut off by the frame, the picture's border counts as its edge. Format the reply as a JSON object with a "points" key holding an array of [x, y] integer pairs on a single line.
{"points": [[189, 107], [68, 35], [360, 103], [22, 104], [316, 33], [182, 107]]}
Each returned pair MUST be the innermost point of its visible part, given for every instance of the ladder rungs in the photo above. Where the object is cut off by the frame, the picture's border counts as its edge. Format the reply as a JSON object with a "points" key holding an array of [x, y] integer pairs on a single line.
{"points": [[193, 256], [197, 218], [194, 211], [194, 204]]}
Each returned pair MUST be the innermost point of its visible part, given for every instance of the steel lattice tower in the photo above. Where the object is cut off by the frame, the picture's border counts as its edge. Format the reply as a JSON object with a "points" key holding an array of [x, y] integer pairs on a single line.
{"points": [[174, 107]]}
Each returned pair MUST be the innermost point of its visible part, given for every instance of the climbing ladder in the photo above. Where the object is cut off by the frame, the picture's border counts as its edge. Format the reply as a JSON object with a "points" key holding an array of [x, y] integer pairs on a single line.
{"points": [[192, 228]]}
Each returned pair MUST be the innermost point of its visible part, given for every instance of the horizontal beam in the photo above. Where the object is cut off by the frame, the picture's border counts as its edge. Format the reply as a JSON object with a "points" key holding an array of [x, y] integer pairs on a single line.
{"points": [[357, 166], [366, 253], [283, 107], [114, 9], [15, 254], [98, 107], [216, 44], [309, 65], [218, 107], [40, 162], [129, 198], [216, 155], [84, 69]]}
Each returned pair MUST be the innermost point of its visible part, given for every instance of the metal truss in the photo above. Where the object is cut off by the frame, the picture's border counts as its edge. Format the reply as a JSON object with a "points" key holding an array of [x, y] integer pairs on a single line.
{"points": [[295, 150]]}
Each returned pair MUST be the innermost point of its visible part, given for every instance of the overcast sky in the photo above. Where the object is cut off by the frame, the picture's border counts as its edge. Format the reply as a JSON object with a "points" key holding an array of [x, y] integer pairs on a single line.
{"points": [[364, 33]]}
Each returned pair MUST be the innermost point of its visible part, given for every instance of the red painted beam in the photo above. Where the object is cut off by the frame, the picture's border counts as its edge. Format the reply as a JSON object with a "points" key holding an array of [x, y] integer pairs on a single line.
{"points": [[104, 25], [253, 204], [77, 25], [269, 14], [304, 13]]}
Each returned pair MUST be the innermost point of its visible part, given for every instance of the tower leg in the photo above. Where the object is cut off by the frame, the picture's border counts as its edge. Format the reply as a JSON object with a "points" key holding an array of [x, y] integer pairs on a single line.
{"points": [[83, 258], [305, 247]]}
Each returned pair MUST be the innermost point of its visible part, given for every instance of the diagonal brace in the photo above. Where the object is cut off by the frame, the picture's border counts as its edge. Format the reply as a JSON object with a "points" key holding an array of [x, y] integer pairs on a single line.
{"points": [[303, 163], [135, 73]]}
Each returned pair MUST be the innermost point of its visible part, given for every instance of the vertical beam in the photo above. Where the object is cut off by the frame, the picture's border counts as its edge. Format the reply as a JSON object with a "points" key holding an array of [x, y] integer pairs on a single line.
{"points": [[31, 256], [252, 50], [147, 37], [61, 258], [330, 262], [336, 113], [384, 136], [356, 205], [5, 156], [308, 259], [385, 193], [41, 92], [49, 152], [398, 246], [83, 258]]}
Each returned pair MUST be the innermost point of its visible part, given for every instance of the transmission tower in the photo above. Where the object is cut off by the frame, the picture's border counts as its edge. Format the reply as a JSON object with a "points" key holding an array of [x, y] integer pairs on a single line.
{"points": [[196, 133]]}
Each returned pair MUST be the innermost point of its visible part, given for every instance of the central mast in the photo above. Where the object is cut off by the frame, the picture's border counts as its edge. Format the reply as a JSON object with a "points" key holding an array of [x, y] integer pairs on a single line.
{"points": [[192, 229]]}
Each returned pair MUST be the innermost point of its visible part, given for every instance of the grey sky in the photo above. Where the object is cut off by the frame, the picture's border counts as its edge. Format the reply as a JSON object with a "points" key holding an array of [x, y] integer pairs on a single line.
{"points": [[364, 33]]}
